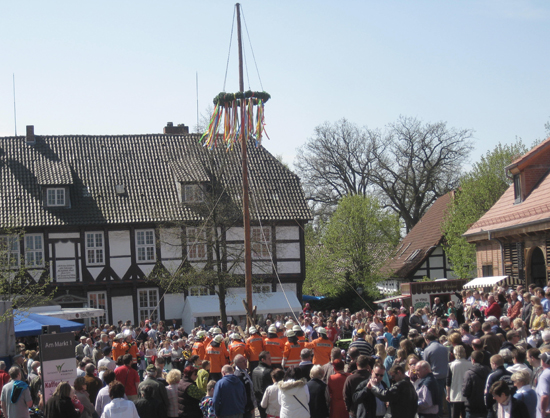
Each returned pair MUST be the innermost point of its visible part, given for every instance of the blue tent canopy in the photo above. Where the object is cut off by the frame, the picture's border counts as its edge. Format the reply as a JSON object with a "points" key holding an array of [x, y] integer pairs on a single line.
{"points": [[27, 324]]}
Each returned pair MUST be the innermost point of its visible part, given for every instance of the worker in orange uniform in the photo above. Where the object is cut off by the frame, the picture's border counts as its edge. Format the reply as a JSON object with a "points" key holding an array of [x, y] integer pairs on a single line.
{"points": [[216, 357], [131, 348], [254, 346], [199, 347], [321, 347], [218, 331], [391, 319], [274, 346], [302, 340], [236, 347], [292, 351], [118, 349]]}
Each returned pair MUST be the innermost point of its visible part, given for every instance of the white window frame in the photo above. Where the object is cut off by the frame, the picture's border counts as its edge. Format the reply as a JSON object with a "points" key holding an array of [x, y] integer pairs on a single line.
{"points": [[193, 193], [10, 253], [94, 299], [261, 249], [151, 299], [95, 250], [34, 250], [198, 291], [59, 199], [197, 245], [261, 288], [146, 249]]}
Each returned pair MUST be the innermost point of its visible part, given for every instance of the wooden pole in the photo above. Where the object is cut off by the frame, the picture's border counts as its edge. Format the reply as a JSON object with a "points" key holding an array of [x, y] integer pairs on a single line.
{"points": [[246, 210]]}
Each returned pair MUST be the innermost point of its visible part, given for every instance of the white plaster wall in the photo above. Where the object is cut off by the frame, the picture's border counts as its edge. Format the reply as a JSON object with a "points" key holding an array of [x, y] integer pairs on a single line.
{"points": [[64, 250], [287, 233], [438, 250], [170, 243], [288, 250], [173, 305], [238, 268], [288, 267], [119, 242], [64, 235], [235, 234], [287, 286], [262, 267], [436, 262], [236, 290], [123, 308], [121, 265]]}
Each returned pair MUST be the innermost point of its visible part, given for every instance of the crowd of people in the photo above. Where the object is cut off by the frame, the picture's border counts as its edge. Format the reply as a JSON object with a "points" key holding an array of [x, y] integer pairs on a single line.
{"points": [[487, 355]]}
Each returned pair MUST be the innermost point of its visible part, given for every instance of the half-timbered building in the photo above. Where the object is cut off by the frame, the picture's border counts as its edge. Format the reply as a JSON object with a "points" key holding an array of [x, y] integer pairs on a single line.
{"points": [[100, 213]]}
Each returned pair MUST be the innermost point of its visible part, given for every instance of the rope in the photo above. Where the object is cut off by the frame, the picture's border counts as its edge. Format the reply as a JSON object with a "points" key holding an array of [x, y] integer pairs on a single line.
{"points": [[252, 49], [271, 258], [229, 52]]}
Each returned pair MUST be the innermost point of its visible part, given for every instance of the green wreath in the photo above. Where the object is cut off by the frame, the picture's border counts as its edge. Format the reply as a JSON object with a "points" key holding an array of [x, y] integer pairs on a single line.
{"points": [[227, 98]]}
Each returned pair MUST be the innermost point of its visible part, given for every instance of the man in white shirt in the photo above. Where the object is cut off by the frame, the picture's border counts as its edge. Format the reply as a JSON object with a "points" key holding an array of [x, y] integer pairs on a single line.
{"points": [[107, 361]]}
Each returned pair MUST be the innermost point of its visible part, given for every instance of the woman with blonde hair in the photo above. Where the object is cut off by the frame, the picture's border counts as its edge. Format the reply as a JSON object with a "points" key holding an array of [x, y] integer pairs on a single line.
{"points": [[455, 378], [173, 378]]}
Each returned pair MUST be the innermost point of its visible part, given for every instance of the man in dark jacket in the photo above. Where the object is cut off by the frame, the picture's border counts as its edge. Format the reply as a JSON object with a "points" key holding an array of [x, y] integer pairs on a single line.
{"points": [[401, 396], [159, 390], [261, 379], [515, 407], [428, 391], [244, 377], [403, 321], [318, 405], [353, 380], [490, 340], [367, 405], [497, 365], [474, 386]]}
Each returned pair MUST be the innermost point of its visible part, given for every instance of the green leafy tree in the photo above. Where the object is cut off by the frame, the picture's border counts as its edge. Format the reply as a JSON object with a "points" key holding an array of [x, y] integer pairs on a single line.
{"points": [[350, 249], [479, 190], [17, 285]]}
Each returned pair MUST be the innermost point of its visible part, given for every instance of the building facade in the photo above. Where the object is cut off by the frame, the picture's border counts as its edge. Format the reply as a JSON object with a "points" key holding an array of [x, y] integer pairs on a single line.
{"points": [[100, 214]]}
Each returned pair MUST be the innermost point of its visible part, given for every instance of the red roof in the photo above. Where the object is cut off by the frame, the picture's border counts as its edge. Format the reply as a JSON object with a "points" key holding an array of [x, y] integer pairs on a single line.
{"points": [[506, 214], [420, 241]]}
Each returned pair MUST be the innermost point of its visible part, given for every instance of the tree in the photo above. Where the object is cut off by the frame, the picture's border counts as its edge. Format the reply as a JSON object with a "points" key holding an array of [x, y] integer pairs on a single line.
{"points": [[20, 284], [336, 162], [408, 166], [416, 164], [351, 248], [479, 190]]}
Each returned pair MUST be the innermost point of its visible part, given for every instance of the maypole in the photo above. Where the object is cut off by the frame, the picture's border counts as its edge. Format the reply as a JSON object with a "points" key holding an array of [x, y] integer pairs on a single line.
{"points": [[240, 127]]}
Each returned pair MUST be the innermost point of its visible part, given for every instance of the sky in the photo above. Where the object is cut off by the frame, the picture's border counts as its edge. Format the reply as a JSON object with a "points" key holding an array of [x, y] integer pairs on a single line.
{"points": [[129, 67]]}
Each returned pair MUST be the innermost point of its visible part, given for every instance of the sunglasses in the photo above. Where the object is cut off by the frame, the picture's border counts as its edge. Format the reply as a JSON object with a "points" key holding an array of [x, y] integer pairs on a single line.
{"points": [[378, 375]]}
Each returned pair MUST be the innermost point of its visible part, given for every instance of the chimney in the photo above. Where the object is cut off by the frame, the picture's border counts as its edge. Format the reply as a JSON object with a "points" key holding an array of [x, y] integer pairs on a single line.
{"points": [[30, 139], [170, 129]]}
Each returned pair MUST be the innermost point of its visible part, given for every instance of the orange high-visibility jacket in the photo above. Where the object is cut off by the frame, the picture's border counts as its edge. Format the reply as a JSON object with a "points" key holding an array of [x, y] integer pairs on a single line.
{"points": [[321, 350], [236, 348], [254, 346], [118, 350], [275, 348], [216, 357], [199, 350], [291, 354]]}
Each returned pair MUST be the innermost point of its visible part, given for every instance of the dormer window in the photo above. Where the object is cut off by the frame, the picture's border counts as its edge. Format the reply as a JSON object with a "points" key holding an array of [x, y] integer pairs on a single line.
{"points": [[56, 196], [193, 193], [517, 189]]}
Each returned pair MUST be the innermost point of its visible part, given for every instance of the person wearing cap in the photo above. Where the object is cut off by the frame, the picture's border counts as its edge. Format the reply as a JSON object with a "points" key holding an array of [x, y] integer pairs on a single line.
{"points": [[236, 347], [159, 390], [118, 349], [199, 346], [79, 349], [321, 347], [254, 346], [302, 340], [291, 351], [107, 361], [218, 331], [216, 357], [274, 346]]}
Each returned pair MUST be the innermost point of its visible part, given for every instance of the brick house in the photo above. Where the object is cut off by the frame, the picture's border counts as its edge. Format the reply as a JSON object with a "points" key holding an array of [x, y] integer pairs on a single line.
{"points": [[513, 237]]}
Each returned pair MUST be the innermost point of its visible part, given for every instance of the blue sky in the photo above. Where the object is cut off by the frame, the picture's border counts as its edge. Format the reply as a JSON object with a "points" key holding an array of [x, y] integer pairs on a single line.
{"points": [[125, 67]]}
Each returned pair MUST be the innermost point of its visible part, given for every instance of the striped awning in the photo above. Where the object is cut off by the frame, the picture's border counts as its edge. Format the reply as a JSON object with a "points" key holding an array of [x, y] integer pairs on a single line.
{"points": [[492, 281]]}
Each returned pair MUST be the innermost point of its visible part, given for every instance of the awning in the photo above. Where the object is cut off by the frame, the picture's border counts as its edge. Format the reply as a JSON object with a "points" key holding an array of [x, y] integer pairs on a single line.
{"points": [[491, 281], [392, 299], [27, 324], [74, 313]]}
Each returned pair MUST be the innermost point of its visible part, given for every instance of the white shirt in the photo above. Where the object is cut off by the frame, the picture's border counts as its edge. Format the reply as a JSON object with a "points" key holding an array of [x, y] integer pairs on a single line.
{"points": [[107, 362], [120, 408]]}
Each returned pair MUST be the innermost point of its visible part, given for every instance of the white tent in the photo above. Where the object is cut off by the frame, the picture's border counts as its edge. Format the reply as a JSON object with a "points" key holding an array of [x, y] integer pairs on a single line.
{"points": [[67, 313], [491, 281], [204, 306]]}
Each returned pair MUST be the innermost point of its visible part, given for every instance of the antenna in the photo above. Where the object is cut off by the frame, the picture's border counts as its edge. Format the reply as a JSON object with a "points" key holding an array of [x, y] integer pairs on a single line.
{"points": [[197, 88], [14, 108]]}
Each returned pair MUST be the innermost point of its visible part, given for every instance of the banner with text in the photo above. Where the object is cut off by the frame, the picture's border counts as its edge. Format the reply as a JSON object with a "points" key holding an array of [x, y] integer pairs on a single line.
{"points": [[57, 360]]}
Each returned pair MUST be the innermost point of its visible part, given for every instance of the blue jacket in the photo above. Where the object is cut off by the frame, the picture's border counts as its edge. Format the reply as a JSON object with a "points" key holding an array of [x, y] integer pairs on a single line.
{"points": [[229, 396]]}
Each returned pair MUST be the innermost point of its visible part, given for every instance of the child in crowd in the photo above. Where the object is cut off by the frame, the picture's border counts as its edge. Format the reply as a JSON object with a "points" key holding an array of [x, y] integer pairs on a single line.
{"points": [[207, 404]]}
